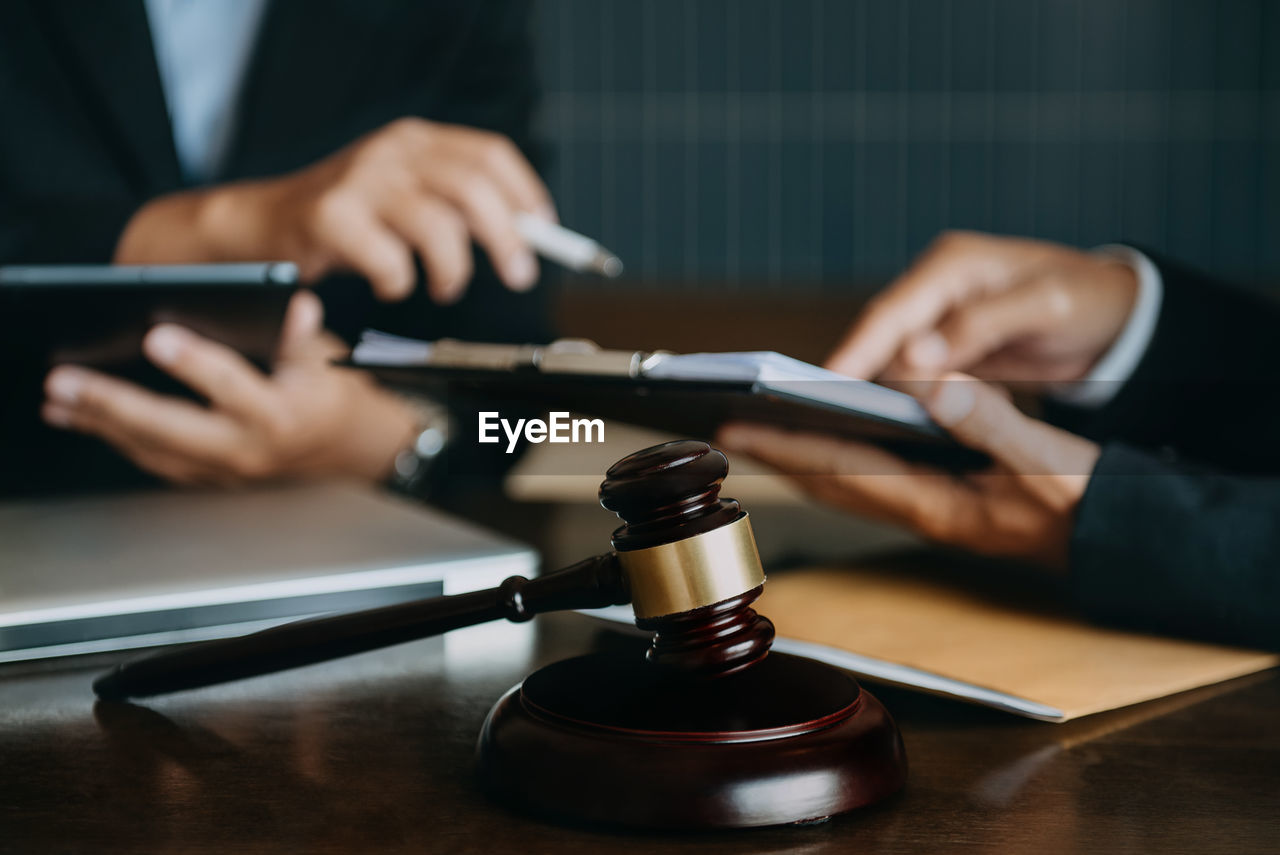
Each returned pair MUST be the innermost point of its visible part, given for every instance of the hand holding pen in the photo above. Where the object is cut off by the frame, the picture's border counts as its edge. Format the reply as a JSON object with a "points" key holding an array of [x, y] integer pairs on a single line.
{"points": [[411, 188]]}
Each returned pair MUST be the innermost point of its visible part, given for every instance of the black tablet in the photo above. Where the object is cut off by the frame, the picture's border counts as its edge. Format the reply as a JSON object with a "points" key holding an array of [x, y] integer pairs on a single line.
{"points": [[97, 315]]}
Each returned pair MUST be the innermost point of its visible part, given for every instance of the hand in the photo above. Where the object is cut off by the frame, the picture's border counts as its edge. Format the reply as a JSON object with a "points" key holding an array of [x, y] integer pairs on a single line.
{"points": [[1023, 507], [306, 418], [999, 308], [410, 187]]}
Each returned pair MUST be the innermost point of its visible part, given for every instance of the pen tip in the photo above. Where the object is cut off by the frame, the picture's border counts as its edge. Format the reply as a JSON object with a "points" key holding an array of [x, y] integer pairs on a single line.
{"points": [[610, 266]]}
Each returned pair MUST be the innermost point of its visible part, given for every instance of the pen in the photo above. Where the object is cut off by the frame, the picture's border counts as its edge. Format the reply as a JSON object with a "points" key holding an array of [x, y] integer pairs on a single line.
{"points": [[574, 251]]}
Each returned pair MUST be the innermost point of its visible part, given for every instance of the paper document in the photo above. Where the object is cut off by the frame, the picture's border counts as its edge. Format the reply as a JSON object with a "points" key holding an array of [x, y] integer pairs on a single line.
{"points": [[916, 631], [379, 348], [784, 374]]}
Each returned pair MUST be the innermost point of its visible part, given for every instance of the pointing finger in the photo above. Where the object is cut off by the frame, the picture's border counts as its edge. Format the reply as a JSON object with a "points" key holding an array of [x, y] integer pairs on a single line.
{"points": [[956, 266], [975, 330]]}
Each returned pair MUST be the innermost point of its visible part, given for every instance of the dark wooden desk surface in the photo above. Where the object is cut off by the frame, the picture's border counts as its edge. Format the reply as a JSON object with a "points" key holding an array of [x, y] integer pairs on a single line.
{"points": [[374, 754]]}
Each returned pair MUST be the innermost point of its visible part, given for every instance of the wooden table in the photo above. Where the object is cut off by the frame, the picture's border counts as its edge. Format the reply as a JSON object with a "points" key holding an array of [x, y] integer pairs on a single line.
{"points": [[374, 754]]}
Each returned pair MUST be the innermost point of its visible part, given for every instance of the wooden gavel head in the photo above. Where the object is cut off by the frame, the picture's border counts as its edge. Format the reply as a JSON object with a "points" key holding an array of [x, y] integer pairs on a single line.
{"points": [[720, 734], [690, 559]]}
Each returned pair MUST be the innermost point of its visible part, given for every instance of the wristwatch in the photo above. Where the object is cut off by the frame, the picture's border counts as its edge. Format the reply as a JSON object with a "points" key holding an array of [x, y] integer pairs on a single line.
{"points": [[414, 462]]}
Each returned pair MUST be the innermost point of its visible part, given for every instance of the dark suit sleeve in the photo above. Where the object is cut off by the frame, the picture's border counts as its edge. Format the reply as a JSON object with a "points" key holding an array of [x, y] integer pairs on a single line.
{"points": [[1179, 529], [1173, 548], [495, 85], [1208, 387]]}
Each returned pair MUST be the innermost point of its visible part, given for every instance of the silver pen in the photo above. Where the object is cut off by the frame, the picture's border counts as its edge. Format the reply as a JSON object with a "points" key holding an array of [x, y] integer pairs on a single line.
{"points": [[568, 248]]}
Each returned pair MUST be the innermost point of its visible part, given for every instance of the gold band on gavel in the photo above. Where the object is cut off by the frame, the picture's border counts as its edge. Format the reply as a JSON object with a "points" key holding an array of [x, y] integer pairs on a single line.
{"points": [[694, 572]]}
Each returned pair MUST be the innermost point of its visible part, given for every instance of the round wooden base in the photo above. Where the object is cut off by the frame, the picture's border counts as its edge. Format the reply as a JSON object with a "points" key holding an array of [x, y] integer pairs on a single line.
{"points": [[608, 739]]}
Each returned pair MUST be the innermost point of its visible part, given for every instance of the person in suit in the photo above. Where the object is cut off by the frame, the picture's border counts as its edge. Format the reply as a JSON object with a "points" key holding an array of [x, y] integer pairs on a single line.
{"points": [[1154, 480], [362, 141]]}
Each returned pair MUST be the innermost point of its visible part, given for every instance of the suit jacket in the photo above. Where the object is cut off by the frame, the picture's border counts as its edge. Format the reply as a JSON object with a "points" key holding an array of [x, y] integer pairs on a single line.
{"points": [[87, 141], [1179, 529]]}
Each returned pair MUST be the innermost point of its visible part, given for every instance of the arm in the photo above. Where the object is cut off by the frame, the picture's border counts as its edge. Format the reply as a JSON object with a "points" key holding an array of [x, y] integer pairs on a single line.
{"points": [[1174, 550], [432, 169], [1145, 543], [1207, 386]]}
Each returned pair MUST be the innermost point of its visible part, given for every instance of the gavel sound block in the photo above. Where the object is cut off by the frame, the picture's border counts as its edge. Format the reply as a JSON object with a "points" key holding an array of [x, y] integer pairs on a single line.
{"points": [[708, 730], [712, 730]]}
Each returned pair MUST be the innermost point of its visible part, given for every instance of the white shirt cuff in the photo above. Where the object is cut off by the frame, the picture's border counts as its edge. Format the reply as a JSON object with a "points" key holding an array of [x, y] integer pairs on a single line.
{"points": [[1117, 365]]}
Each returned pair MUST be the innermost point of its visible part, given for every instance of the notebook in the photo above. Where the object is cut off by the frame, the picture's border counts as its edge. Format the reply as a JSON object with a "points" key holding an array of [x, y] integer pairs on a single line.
{"points": [[932, 631]]}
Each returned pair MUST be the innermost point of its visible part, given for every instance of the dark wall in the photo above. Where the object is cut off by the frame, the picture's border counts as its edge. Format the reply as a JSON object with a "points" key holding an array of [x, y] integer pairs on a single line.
{"points": [[823, 142]]}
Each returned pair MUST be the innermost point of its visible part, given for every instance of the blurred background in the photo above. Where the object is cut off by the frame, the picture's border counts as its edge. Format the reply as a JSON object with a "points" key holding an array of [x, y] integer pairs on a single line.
{"points": [[812, 147]]}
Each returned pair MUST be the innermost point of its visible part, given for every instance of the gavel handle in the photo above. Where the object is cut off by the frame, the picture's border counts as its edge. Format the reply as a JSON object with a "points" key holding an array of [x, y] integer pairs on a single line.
{"points": [[592, 583]]}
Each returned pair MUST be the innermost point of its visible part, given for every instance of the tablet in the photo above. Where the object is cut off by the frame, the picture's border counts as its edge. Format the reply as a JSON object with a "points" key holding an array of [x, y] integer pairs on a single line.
{"points": [[97, 315], [691, 394]]}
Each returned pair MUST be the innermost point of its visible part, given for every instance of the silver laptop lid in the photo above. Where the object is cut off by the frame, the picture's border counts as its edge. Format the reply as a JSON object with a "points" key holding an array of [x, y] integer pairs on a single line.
{"points": [[107, 572]]}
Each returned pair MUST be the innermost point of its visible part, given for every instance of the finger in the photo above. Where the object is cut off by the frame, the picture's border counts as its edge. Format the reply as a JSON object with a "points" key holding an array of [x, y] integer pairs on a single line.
{"points": [[954, 267], [979, 416], [499, 158], [130, 415], [303, 322], [914, 302], [169, 466], [491, 221], [228, 380], [303, 338], [860, 478], [1014, 365], [440, 236], [359, 241], [982, 327]]}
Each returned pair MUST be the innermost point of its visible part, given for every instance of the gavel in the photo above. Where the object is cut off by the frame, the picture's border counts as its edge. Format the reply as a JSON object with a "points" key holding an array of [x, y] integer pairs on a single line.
{"points": [[685, 559], [708, 729]]}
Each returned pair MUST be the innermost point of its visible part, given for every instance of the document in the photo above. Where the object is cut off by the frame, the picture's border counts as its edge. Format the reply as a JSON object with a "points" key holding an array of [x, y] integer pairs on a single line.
{"points": [[940, 636]]}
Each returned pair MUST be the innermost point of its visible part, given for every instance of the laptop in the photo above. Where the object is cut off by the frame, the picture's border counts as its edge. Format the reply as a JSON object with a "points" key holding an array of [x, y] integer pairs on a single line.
{"points": [[112, 572]]}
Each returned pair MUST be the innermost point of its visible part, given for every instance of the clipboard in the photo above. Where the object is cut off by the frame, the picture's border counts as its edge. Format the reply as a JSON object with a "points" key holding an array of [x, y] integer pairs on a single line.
{"points": [[690, 394]]}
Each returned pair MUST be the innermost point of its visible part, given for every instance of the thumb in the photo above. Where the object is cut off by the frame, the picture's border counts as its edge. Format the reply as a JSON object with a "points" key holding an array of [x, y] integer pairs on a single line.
{"points": [[302, 323], [969, 409], [979, 416]]}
